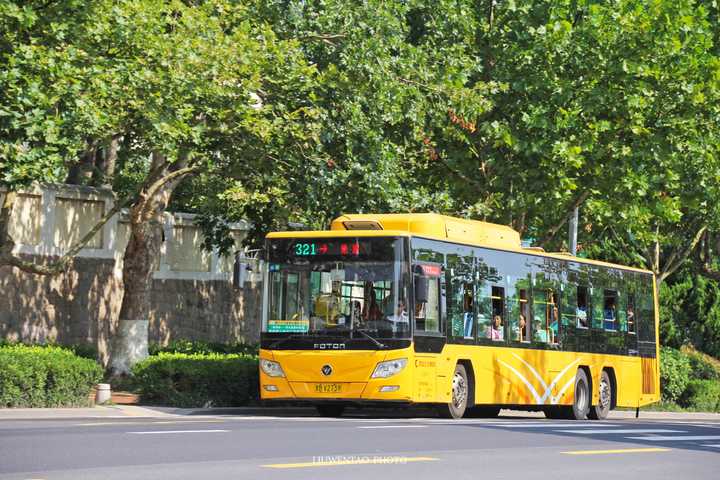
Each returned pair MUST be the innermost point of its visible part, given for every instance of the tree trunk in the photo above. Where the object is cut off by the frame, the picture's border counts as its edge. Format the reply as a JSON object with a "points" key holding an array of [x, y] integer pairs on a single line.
{"points": [[140, 263], [105, 162], [80, 173]]}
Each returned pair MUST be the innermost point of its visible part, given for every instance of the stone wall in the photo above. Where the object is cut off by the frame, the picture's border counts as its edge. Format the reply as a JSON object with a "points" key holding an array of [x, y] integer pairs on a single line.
{"points": [[193, 295]]}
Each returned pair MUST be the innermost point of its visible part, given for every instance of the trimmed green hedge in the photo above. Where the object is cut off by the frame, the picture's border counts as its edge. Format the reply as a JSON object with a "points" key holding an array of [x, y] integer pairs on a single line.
{"points": [[42, 376], [197, 380], [675, 370], [202, 347]]}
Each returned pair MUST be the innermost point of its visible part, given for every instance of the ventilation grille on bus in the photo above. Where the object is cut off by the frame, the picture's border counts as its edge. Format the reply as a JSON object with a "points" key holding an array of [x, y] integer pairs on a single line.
{"points": [[648, 375]]}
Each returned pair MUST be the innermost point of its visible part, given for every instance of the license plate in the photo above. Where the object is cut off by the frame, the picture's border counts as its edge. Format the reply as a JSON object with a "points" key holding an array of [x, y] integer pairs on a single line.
{"points": [[328, 388]]}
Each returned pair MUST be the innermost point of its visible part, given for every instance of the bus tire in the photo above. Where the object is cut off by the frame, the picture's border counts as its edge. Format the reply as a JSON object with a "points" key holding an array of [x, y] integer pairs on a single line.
{"points": [[605, 393], [484, 411], [581, 397], [460, 388], [330, 410]]}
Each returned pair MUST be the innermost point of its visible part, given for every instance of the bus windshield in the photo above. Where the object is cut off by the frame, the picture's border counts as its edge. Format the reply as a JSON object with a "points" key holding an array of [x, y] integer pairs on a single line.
{"points": [[345, 288]]}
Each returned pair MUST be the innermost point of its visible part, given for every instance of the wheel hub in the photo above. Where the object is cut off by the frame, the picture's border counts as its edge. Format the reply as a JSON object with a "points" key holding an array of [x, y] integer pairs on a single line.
{"points": [[459, 390], [604, 394]]}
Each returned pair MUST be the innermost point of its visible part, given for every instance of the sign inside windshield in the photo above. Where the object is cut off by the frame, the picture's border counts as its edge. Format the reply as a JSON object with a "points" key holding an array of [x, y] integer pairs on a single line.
{"points": [[288, 326]]}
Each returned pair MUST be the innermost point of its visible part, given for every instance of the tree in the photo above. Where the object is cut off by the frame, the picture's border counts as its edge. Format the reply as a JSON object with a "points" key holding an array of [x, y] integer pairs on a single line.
{"points": [[390, 76], [114, 84]]}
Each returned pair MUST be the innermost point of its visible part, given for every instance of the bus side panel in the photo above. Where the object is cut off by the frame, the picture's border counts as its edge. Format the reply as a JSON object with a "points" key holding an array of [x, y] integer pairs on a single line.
{"points": [[533, 377], [629, 381]]}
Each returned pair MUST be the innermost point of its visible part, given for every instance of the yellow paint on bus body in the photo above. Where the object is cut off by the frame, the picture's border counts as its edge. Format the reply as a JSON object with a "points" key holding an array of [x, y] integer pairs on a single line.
{"points": [[503, 375]]}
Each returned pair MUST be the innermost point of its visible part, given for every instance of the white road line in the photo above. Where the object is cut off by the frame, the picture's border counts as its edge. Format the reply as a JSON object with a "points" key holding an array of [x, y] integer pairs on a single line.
{"points": [[555, 425], [676, 438], [714, 445], [156, 432], [393, 426], [625, 431]]}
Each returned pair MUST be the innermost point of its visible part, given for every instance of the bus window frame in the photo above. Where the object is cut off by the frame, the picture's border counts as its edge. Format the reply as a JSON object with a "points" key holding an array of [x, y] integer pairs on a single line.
{"points": [[441, 299]]}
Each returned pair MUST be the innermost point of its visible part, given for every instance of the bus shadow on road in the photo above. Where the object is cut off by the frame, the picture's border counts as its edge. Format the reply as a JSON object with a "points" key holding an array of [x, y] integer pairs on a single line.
{"points": [[605, 436]]}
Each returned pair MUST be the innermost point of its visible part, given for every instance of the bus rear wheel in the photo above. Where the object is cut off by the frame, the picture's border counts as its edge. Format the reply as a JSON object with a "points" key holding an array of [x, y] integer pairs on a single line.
{"points": [[460, 388], [330, 410], [601, 410], [581, 400]]}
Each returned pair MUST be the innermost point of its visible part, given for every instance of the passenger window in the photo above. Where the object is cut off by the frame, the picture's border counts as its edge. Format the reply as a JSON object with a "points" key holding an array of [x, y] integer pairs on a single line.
{"points": [[497, 327], [552, 316], [610, 310], [522, 331], [631, 314], [597, 304], [582, 307], [484, 310], [468, 306], [569, 305], [545, 313], [460, 296]]}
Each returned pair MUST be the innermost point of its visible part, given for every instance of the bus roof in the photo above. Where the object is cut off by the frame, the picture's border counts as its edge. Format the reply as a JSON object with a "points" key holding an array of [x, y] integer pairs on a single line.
{"points": [[437, 227]]}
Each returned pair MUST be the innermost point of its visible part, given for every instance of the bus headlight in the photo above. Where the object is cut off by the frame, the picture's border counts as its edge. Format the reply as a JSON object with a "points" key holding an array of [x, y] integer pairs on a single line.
{"points": [[389, 368], [271, 369]]}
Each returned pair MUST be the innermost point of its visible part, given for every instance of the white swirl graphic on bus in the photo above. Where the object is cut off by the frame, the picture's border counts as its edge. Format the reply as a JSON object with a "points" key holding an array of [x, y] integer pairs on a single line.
{"points": [[547, 394]]}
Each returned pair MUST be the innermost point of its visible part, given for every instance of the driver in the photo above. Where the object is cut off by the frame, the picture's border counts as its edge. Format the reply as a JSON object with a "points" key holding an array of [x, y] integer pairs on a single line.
{"points": [[399, 319]]}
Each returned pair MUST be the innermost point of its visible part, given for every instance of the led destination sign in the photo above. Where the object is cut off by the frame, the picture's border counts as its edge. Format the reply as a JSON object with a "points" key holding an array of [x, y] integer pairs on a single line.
{"points": [[334, 248]]}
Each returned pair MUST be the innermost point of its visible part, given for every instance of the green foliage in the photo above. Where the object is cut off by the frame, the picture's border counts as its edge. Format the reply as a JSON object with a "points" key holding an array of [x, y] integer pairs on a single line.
{"points": [[675, 373], [202, 347], [690, 312], [690, 379], [32, 376], [197, 380], [702, 395], [704, 367]]}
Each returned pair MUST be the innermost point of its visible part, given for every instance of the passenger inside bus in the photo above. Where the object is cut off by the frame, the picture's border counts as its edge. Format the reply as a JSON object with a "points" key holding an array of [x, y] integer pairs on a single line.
{"points": [[582, 318], [495, 331], [520, 329], [554, 316], [539, 333], [400, 320], [609, 316], [355, 315], [468, 317], [372, 309]]}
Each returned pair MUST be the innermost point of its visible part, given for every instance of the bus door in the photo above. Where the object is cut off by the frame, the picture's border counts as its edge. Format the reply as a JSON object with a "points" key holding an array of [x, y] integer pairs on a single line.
{"points": [[429, 329]]}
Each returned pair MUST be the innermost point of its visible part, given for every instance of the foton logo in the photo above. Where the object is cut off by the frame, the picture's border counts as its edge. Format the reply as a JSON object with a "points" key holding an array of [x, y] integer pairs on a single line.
{"points": [[329, 346]]}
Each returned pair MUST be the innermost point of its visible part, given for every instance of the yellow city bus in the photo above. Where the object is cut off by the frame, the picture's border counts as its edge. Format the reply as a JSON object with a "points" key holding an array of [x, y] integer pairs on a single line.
{"points": [[429, 309]]}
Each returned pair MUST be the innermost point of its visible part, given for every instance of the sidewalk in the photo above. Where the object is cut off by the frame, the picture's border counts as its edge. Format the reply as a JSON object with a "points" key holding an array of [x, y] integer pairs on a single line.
{"points": [[133, 411]]}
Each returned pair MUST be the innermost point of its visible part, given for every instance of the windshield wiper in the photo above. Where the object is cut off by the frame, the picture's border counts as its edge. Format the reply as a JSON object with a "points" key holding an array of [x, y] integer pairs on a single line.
{"points": [[373, 339]]}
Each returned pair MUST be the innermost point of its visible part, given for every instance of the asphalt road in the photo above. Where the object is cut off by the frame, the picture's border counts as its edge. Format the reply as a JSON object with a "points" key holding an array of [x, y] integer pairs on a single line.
{"points": [[361, 445]]}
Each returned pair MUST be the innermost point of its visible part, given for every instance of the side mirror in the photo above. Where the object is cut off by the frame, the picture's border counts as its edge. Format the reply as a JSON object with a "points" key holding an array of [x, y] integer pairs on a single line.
{"points": [[421, 289]]}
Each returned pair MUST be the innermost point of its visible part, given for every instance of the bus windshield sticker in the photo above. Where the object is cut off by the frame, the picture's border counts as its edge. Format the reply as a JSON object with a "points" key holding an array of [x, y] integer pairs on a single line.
{"points": [[288, 326]]}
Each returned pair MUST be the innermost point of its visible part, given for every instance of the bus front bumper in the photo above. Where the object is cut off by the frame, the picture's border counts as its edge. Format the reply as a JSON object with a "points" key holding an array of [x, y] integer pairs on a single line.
{"points": [[381, 389]]}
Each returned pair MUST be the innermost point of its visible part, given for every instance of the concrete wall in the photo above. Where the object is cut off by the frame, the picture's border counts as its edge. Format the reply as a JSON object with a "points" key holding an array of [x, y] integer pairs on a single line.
{"points": [[193, 296]]}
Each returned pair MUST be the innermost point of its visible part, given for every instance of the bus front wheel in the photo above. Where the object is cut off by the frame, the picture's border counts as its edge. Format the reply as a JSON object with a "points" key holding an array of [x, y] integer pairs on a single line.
{"points": [[581, 399], [460, 389], [330, 410]]}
